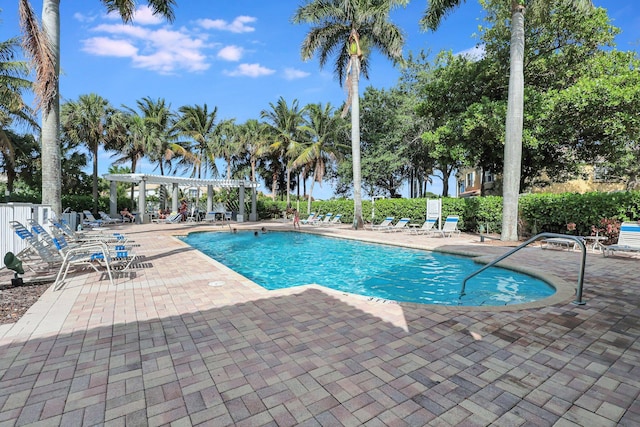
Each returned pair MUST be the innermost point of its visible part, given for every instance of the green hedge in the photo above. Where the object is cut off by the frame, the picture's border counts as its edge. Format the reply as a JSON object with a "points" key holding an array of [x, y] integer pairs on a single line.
{"points": [[538, 212]]}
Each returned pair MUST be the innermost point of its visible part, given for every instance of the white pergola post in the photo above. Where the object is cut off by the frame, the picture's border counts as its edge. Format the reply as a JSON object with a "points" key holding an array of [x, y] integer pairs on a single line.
{"points": [[209, 197], [241, 201], [113, 199], [142, 201], [174, 198]]}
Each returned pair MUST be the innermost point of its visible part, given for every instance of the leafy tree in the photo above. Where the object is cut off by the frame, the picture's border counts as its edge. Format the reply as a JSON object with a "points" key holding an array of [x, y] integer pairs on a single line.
{"points": [[86, 121], [350, 30], [254, 141], [325, 131], [435, 11], [285, 124], [42, 44], [199, 125]]}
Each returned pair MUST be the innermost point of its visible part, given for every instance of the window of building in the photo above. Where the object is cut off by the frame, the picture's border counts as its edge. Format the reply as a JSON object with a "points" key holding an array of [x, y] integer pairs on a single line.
{"points": [[470, 179], [488, 176]]}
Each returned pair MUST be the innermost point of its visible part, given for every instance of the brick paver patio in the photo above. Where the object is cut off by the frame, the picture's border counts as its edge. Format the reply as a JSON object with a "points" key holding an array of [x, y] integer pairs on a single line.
{"points": [[181, 340]]}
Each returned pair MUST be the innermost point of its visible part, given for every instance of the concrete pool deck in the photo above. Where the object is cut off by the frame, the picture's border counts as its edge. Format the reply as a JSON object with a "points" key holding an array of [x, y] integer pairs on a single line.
{"points": [[182, 340]]}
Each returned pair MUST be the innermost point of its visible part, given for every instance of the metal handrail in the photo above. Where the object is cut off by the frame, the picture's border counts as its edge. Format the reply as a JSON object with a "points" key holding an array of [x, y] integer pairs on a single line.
{"points": [[578, 240]]}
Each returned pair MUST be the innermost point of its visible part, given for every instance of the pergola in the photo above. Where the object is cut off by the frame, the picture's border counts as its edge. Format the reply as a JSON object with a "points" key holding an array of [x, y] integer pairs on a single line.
{"points": [[142, 180]]}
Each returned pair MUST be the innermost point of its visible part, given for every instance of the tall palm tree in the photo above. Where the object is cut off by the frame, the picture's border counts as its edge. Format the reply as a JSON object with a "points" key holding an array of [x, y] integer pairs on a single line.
{"points": [[160, 132], [285, 125], [326, 130], [226, 144], [255, 142], [129, 140], [350, 29], [436, 10], [42, 44], [86, 121], [198, 124]]}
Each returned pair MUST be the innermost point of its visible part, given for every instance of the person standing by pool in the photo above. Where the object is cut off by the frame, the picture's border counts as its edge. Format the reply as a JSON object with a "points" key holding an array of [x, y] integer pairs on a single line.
{"points": [[296, 219], [183, 210]]}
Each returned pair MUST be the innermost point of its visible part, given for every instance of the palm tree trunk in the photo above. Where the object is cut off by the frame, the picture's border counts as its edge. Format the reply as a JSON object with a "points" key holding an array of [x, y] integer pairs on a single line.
{"points": [[513, 129], [358, 223], [51, 164], [313, 181], [95, 180], [274, 185], [288, 187]]}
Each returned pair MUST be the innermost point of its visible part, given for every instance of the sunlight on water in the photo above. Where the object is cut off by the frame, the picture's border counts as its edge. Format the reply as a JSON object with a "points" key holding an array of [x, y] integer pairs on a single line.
{"points": [[276, 260]]}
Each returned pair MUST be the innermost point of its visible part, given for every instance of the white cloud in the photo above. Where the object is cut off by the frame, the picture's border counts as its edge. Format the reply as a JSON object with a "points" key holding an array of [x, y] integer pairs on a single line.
{"points": [[162, 50], [144, 16], [230, 53], [474, 54], [83, 18], [239, 25], [293, 74], [103, 46], [250, 70]]}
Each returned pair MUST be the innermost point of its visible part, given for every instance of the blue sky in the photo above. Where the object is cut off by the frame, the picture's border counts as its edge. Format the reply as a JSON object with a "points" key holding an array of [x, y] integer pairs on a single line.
{"points": [[238, 56]]}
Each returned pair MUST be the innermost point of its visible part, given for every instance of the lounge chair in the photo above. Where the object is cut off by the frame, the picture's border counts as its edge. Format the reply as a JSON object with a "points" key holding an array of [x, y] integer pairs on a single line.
{"points": [[84, 255], [628, 240], [108, 220], [62, 227], [450, 227], [399, 226], [559, 242], [335, 220], [36, 248], [427, 227], [325, 220], [310, 218], [384, 225], [90, 220]]}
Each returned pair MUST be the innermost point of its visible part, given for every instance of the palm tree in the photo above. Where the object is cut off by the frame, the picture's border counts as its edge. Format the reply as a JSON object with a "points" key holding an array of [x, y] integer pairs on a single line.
{"points": [[42, 44], [129, 140], [285, 125], [160, 132], [86, 121], [226, 144], [325, 128], [350, 29], [255, 142], [436, 10], [198, 124]]}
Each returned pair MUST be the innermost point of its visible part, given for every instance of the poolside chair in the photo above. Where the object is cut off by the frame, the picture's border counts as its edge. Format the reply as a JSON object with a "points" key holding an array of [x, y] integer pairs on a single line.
{"points": [[325, 220], [91, 221], [559, 242], [383, 225], [628, 240], [427, 227], [36, 248], [108, 220], [310, 218], [62, 227], [449, 228], [335, 221], [88, 255], [399, 226]]}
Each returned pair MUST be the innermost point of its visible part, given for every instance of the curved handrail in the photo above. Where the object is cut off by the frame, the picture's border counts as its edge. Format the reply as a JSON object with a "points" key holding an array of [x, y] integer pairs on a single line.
{"points": [[578, 240]]}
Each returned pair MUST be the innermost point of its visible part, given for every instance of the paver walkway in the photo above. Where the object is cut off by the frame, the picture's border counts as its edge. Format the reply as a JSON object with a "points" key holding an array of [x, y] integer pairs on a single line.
{"points": [[182, 340]]}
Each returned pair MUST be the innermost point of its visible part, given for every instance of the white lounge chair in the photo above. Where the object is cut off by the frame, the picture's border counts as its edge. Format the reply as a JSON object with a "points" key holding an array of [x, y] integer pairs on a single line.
{"points": [[109, 220], [399, 226], [450, 227], [628, 240], [90, 220], [335, 221], [559, 242], [309, 219], [325, 220], [427, 227], [384, 225]]}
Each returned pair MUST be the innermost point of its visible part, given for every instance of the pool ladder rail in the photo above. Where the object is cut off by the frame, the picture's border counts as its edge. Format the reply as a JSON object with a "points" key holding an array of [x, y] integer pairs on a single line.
{"points": [[578, 240]]}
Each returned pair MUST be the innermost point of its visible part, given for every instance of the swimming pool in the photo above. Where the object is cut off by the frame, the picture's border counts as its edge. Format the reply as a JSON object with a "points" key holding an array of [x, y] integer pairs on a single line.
{"points": [[277, 260]]}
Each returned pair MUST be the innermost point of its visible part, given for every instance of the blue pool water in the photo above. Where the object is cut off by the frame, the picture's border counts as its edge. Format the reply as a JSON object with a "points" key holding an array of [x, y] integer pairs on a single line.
{"points": [[276, 260]]}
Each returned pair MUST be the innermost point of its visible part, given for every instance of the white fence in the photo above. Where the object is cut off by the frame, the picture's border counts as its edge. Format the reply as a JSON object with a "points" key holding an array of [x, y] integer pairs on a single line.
{"points": [[21, 212]]}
